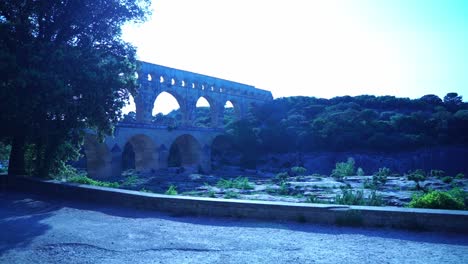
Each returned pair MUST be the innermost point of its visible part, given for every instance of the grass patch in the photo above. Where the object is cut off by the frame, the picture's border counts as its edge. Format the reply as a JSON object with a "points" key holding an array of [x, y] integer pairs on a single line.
{"points": [[350, 197], [231, 195], [172, 190], [242, 183], [82, 179]]}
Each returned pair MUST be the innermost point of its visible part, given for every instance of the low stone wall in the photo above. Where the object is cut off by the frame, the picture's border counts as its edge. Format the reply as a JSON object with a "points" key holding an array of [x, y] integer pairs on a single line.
{"points": [[368, 216]]}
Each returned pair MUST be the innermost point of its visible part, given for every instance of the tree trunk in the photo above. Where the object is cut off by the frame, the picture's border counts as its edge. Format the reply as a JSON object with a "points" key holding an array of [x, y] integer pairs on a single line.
{"points": [[16, 164]]}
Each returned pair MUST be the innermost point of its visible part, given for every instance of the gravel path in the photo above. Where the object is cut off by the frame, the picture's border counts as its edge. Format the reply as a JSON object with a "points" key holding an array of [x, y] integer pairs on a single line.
{"points": [[35, 229]]}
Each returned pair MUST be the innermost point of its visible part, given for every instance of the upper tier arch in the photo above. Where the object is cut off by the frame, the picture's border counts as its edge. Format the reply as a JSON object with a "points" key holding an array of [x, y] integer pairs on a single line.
{"points": [[154, 79]]}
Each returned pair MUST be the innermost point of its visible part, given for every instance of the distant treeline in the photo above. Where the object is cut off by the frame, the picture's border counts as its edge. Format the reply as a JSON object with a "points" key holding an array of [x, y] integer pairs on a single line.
{"points": [[362, 123]]}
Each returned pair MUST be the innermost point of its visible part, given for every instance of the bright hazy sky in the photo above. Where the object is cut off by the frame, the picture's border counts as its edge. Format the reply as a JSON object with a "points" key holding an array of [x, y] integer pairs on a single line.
{"points": [[321, 48]]}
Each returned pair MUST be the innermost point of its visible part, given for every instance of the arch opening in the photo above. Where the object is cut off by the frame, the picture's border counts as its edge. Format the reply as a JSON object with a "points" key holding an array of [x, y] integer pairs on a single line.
{"points": [[166, 110], [203, 113], [129, 110], [185, 152], [231, 113], [140, 154]]}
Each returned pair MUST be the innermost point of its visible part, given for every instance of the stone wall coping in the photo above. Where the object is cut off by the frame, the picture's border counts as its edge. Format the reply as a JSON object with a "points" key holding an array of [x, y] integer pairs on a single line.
{"points": [[367, 216]]}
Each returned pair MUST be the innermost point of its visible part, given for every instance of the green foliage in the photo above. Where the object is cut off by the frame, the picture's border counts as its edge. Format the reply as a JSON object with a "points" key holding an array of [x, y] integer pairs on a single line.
{"points": [[237, 183], [447, 179], [383, 172], [350, 197], [374, 123], [460, 176], [282, 176], [231, 195], [85, 180], [146, 190], [437, 173], [360, 172], [417, 176], [68, 70], [5, 150], [172, 190], [440, 200], [298, 171], [130, 181], [284, 188], [343, 169]]}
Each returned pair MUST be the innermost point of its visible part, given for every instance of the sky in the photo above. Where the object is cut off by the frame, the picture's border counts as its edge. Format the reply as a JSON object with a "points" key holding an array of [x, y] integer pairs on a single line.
{"points": [[321, 48]]}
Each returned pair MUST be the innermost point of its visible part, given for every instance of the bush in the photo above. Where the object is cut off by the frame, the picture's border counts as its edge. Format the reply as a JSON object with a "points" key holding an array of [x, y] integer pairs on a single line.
{"points": [[380, 177], [282, 176], [447, 179], [350, 197], [284, 188], [238, 183], [437, 173], [85, 180], [298, 171], [460, 176], [360, 172], [171, 191], [130, 181], [231, 195], [417, 176], [383, 172], [343, 169], [438, 200]]}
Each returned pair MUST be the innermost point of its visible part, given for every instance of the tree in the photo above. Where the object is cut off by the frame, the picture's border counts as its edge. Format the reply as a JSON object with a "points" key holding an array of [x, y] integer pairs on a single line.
{"points": [[63, 68], [453, 98]]}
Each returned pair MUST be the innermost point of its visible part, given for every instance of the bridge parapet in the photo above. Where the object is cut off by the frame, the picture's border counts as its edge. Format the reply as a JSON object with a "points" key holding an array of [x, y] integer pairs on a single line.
{"points": [[167, 76]]}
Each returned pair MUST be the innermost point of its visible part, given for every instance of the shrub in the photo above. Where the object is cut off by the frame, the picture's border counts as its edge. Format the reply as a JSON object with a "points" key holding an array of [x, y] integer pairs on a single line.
{"points": [[238, 183], [438, 200], [171, 191], [447, 179], [298, 171], [281, 176], [343, 169], [130, 180], [350, 197], [368, 184], [85, 180], [231, 195], [383, 172], [437, 173], [417, 176], [360, 172], [380, 177], [284, 188], [460, 176]]}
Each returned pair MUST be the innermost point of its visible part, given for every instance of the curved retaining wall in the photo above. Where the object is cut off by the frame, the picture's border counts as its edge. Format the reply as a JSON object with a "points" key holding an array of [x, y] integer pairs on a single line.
{"points": [[368, 216]]}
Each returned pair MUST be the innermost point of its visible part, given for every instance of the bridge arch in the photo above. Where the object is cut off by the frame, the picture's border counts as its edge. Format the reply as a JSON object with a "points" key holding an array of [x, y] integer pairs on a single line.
{"points": [[140, 153], [185, 151]]}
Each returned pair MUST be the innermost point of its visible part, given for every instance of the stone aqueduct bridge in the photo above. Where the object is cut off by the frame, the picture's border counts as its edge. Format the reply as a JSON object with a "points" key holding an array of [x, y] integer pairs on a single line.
{"points": [[156, 147]]}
